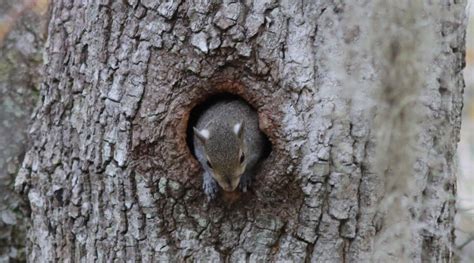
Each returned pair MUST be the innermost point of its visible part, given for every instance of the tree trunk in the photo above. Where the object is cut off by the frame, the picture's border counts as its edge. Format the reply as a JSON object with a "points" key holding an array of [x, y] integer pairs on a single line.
{"points": [[361, 103]]}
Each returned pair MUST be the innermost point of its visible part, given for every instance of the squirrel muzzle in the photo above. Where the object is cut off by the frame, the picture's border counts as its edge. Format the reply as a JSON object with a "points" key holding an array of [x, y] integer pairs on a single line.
{"points": [[230, 185]]}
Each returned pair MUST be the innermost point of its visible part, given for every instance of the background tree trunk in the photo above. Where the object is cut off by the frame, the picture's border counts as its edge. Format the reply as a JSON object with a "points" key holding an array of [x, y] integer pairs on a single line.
{"points": [[21, 42], [361, 102]]}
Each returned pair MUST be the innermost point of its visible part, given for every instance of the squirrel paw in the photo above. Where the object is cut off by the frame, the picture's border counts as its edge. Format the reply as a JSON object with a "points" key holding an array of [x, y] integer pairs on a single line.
{"points": [[210, 189], [245, 181]]}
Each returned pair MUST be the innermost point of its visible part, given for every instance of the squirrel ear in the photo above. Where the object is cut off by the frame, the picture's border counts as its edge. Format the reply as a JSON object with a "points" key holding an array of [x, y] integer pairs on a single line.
{"points": [[203, 135], [239, 129]]}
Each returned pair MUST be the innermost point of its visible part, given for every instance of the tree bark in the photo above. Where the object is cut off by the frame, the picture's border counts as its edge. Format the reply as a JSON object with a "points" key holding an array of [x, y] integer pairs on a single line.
{"points": [[361, 103]]}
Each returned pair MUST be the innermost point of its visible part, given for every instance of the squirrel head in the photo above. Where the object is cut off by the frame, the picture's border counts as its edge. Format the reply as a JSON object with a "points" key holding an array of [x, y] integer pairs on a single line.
{"points": [[225, 152]]}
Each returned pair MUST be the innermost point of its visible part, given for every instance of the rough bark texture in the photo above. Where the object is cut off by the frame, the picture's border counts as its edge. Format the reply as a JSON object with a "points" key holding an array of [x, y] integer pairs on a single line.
{"points": [[21, 39], [110, 175]]}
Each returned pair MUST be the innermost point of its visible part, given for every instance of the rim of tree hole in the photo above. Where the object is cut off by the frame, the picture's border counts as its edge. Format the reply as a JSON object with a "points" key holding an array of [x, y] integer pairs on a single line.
{"points": [[272, 178]]}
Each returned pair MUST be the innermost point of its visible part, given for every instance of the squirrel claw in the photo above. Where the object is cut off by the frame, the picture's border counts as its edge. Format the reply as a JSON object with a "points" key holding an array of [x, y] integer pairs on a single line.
{"points": [[245, 182], [210, 189]]}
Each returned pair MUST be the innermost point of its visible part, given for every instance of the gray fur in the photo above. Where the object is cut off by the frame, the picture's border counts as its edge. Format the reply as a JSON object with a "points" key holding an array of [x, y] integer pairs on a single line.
{"points": [[224, 145]]}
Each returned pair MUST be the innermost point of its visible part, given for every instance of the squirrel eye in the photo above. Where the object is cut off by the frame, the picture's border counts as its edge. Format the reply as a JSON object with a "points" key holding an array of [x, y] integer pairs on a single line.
{"points": [[209, 164], [242, 158]]}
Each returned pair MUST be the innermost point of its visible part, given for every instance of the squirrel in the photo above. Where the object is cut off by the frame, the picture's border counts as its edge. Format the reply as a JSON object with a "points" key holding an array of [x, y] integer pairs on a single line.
{"points": [[228, 144]]}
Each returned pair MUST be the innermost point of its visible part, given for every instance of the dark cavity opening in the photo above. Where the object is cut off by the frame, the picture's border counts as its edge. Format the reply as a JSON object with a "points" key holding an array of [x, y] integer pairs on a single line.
{"points": [[213, 99]]}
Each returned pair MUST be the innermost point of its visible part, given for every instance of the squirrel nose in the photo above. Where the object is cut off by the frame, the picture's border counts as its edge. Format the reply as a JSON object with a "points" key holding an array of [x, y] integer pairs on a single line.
{"points": [[228, 184], [227, 187]]}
